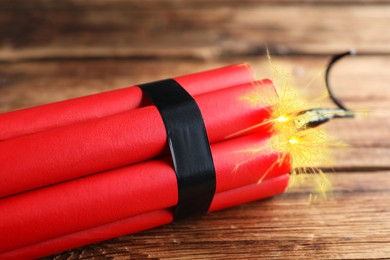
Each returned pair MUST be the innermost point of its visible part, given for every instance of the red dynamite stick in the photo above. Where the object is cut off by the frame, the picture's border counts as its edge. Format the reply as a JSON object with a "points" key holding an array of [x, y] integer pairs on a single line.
{"points": [[40, 118], [93, 146], [268, 188], [99, 199]]}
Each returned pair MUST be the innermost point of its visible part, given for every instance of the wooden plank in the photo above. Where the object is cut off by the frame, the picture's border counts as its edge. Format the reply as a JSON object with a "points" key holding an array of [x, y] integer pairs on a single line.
{"points": [[360, 81], [80, 29], [353, 224], [169, 4]]}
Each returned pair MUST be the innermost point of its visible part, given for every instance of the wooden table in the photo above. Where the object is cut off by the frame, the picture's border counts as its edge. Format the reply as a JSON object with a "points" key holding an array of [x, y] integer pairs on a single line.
{"points": [[52, 50]]}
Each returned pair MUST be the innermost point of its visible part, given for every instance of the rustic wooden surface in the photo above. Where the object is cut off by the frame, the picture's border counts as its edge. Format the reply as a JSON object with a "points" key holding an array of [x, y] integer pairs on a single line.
{"points": [[52, 50]]}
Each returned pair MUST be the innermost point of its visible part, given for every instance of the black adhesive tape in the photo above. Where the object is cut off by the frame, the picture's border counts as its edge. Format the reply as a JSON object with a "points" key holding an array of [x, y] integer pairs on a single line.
{"points": [[189, 146]]}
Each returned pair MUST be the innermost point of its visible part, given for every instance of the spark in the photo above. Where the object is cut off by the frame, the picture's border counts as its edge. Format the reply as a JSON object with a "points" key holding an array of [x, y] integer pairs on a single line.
{"points": [[306, 148], [282, 119]]}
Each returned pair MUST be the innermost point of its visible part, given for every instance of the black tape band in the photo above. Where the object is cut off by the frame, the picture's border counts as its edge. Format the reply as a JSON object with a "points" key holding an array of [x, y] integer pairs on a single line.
{"points": [[189, 146]]}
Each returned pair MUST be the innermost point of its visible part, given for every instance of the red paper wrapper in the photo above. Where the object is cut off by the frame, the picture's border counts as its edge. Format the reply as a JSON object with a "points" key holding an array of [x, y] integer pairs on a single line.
{"points": [[115, 139], [92, 146], [269, 187], [103, 198], [40, 118]]}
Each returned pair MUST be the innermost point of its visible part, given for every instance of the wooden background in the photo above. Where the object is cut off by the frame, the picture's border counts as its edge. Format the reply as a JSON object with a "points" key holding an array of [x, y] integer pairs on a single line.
{"points": [[54, 50]]}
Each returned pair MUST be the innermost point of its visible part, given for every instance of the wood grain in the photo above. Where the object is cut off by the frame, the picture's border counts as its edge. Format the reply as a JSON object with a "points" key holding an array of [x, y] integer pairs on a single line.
{"points": [[55, 50], [206, 30]]}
